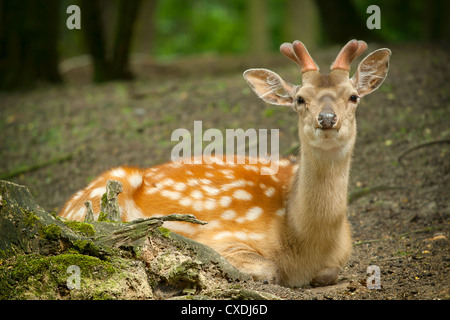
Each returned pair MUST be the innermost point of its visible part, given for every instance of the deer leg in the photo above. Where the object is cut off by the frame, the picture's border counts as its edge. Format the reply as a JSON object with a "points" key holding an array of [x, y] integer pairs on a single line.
{"points": [[325, 277], [259, 267]]}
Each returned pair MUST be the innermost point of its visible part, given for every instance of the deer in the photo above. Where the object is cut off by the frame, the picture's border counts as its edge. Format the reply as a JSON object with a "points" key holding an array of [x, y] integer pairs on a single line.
{"points": [[288, 227]]}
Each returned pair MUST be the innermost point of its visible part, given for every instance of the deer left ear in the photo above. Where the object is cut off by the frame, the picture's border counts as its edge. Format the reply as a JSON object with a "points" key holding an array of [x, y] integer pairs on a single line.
{"points": [[371, 72], [270, 87]]}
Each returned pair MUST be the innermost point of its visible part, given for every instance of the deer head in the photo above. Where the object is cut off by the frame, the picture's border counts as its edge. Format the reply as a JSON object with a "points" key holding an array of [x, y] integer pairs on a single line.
{"points": [[325, 103]]}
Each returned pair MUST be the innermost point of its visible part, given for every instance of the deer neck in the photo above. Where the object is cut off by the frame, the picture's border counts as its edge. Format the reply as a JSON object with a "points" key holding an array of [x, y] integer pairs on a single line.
{"points": [[317, 205]]}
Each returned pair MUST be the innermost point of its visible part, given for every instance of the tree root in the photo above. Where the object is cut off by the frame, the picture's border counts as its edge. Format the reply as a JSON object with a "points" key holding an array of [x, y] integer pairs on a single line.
{"points": [[420, 146], [365, 191]]}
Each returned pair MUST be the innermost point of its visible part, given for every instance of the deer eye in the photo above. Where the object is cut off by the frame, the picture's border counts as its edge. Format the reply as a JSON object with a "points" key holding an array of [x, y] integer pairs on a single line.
{"points": [[353, 98], [300, 100]]}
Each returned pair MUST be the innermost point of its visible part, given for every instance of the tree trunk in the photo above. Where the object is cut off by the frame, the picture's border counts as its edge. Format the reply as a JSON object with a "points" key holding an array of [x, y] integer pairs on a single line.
{"points": [[127, 14], [115, 66], [258, 27], [302, 22], [28, 38], [95, 38]]}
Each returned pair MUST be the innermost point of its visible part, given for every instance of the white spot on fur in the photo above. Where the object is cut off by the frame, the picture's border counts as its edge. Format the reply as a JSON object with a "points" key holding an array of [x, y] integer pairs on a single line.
{"points": [[274, 178], [118, 173], [257, 236], [240, 220], [197, 205], [270, 192], [167, 182], [186, 202], [192, 182], [132, 211], [210, 204], [196, 194], [97, 192], [241, 235], [76, 215], [251, 168], [174, 195], [180, 227], [225, 201], [253, 213], [280, 212], [228, 215], [241, 194], [221, 235], [151, 190], [205, 181], [267, 171], [159, 176], [227, 173], [179, 186], [78, 195], [211, 190], [213, 224], [234, 184], [175, 164], [135, 180]]}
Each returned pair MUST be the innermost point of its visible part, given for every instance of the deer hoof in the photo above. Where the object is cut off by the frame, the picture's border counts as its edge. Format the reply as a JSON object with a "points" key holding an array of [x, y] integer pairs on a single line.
{"points": [[325, 277]]}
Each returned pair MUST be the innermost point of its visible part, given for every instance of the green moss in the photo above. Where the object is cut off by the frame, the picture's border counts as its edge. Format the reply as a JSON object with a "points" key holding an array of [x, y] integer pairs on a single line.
{"points": [[164, 232], [102, 216], [104, 201], [51, 232], [82, 228], [30, 218], [40, 277], [86, 247]]}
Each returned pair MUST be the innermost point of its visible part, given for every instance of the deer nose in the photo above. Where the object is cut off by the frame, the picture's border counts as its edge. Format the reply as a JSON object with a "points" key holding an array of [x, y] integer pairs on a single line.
{"points": [[327, 120]]}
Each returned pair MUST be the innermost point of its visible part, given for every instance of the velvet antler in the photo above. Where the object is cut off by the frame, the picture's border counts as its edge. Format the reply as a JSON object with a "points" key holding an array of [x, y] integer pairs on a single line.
{"points": [[349, 52], [298, 53]]}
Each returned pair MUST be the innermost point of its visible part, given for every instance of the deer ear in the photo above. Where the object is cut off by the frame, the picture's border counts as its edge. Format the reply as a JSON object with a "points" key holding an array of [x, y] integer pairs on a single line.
{"points": [[270, 87], [371, 72]]}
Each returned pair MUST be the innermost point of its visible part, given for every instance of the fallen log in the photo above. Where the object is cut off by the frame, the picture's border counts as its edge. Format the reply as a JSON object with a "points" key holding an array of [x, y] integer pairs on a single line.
{"points": [[42, 256]]}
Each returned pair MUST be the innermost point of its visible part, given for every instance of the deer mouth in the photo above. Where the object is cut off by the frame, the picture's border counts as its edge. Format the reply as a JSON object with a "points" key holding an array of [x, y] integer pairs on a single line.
{"points": [[327, 133]]}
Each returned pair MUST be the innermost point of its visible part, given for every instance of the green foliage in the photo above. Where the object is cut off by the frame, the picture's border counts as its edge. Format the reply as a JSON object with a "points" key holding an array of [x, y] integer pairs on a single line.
{"points": [[186, 27]]}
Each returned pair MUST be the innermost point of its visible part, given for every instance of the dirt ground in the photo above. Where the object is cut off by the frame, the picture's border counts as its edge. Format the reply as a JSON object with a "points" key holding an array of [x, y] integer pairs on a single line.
{"points": [[400, 204]]}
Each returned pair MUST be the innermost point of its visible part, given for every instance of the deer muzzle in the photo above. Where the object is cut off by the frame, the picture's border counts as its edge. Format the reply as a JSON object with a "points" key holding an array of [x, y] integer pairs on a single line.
{"points": [[327, 120]]}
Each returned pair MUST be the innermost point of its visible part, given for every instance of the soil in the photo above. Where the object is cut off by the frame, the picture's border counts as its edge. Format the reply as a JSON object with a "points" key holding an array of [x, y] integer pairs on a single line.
{"points": [[400, 204]]}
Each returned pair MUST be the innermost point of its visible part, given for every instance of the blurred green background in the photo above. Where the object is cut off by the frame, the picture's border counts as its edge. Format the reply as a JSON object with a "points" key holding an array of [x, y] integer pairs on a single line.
{"points": [[34, 38]]}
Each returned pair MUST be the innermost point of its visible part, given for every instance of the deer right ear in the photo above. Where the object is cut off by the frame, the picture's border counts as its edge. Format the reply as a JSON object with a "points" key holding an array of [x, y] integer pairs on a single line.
{"points": [[371, 72], [270, 87]]}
